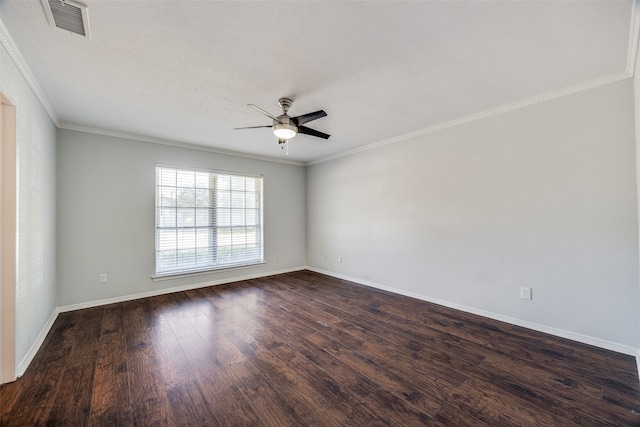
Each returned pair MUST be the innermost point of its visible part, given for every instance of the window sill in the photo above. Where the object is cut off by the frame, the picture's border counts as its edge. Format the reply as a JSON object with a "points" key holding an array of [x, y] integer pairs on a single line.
{"points": [[171, 276]]}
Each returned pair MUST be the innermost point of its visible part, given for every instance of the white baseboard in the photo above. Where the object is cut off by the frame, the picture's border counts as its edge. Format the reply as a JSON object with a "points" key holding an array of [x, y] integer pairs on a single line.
{"points": [[165, 291], [26, 360], [585, 339]]}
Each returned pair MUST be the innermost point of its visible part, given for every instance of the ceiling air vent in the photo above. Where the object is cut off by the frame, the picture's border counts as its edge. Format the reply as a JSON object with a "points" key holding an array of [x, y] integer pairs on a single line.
{"points": [[68, 15]]}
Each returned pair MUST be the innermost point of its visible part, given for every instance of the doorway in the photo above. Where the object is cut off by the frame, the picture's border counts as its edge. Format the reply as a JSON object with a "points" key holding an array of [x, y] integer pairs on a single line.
{"points": [[7, 239]]}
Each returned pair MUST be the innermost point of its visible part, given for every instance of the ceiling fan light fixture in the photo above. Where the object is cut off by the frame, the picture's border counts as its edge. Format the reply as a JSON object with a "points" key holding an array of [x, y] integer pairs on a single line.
{"points": [[285, 127], [284, 130]]}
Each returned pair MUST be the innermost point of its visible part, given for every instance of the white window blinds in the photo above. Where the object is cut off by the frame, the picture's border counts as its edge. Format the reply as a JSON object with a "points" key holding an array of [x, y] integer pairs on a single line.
{"points": [[206, 220]]}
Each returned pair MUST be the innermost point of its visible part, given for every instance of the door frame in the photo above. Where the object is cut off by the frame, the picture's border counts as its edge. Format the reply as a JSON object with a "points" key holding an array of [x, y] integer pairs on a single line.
{"points": [[8, 227]]}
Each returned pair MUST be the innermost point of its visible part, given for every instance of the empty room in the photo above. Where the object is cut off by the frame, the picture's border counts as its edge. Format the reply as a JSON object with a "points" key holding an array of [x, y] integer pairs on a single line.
{"points": [[319, 213]]}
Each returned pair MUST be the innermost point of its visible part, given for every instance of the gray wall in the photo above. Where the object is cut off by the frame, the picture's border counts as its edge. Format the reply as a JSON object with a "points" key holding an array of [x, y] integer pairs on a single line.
{"points": [[36, 195], [542, 197], [106, 196]]}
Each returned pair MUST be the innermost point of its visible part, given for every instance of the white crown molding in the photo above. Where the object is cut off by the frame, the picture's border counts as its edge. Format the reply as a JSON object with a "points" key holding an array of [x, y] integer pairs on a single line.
{"points": [[142, 138], [548, 96], [632, 52], [18, 59], [634, 32], [585, 339]]}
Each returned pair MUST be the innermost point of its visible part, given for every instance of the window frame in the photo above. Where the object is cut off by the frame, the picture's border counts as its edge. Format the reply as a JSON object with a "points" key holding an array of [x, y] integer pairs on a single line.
{"points": [[195, 268]]}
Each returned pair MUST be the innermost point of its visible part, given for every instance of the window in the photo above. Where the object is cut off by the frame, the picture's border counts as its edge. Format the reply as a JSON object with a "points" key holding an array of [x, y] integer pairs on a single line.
{"points": [[206, 220]]}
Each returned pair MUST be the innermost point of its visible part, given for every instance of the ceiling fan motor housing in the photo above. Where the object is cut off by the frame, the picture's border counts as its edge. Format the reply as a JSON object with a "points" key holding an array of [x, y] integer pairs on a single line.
{"points": [[284, 127]]}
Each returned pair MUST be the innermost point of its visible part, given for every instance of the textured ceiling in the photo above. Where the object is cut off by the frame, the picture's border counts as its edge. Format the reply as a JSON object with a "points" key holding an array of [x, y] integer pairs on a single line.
{"points": [[184, 70]]}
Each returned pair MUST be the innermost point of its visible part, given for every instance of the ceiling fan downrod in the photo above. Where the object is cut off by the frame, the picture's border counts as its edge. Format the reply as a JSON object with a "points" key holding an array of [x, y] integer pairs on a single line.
{"points": [[285, 104]]}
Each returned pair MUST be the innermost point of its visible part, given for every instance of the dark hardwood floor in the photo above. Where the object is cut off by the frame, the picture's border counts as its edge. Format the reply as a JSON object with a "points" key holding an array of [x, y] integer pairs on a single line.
{"points": [[303, 349]]}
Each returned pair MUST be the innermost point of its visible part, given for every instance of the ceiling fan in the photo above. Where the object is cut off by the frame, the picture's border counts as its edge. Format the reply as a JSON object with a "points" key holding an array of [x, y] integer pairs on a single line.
{"points": [[285, 127]]}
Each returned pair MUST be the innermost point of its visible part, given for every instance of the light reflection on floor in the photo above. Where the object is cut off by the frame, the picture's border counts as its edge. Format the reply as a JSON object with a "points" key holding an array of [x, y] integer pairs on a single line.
{"points": [[204, 311]]}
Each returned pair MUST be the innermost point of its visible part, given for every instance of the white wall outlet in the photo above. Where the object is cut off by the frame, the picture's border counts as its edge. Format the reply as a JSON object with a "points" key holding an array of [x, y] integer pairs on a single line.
{"points": [[340, 259], [525, 293], [277, 256], [103, 277]]}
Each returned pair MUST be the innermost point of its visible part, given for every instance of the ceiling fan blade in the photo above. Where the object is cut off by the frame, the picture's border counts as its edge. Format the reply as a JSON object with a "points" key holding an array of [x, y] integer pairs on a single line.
{"points": [[265, 112], [312, 132], [253, 127], [306, 118]]}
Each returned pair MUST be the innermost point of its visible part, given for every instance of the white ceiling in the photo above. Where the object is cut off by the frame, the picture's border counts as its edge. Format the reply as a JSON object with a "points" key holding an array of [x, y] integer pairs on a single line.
{"points": [[184, 70]]}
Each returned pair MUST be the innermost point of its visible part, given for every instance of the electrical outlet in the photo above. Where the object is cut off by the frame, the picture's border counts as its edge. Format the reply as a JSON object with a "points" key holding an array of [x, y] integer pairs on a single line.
{"points": [[103, 277], [277, 257], [525, 293], [340, 259]]}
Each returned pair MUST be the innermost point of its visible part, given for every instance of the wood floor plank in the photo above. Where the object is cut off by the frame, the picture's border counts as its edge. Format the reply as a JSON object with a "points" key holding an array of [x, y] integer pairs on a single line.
{"points": [[242, 395], [617, 383], [423, 389], [72, 404], [149, 400], [270, 405], [540, 387], [536, 347], [189, 406], [279, 374], [221, 396], [304, 349], [413, 356], [30, 402], [110, 400], [171, 360], [323, 378], [364, 386], [364, 418], [35, 396]]}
